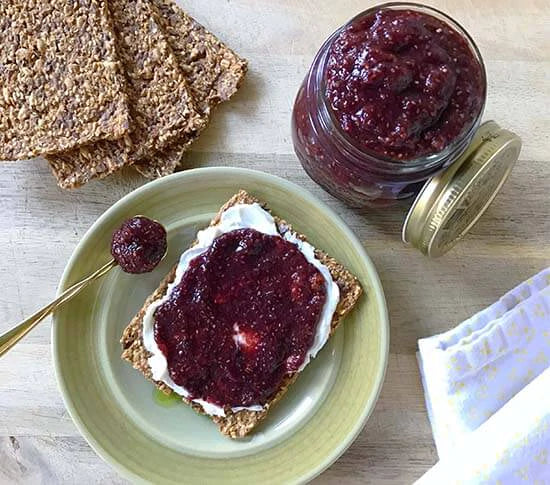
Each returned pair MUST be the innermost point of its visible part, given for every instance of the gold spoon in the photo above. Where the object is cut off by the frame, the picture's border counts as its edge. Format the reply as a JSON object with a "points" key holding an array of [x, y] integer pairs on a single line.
{"points": [[11, 337], [14, 335]]}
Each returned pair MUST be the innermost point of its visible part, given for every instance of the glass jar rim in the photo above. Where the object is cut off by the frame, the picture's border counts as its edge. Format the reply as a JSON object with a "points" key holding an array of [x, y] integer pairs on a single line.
{"points": [[425, 161]]}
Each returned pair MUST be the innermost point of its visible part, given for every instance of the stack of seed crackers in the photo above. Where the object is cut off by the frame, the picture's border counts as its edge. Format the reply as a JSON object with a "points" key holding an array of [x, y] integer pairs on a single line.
{"points": [[97, 85]]}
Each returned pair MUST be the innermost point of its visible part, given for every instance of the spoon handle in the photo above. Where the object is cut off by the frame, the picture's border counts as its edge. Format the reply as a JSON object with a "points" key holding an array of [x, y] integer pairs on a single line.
{"points": [[11, 337]]}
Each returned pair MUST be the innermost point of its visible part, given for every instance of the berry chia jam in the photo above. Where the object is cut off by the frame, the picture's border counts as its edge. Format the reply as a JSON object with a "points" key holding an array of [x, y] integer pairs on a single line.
{"points": [[392, 97], [139, 245], [243, 316]]}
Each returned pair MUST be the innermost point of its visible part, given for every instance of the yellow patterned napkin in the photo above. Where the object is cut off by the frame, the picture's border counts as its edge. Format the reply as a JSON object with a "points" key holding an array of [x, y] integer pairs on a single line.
{"points": [[511, 448], [470, 372]]}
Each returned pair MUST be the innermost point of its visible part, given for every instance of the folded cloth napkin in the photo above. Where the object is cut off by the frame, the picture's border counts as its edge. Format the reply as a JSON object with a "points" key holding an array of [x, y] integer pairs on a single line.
{"points": [[511, 447], [470, 372]]}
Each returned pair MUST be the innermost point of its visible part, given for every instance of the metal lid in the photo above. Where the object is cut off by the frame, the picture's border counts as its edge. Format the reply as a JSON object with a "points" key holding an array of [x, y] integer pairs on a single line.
{"points": [[450, 203]]}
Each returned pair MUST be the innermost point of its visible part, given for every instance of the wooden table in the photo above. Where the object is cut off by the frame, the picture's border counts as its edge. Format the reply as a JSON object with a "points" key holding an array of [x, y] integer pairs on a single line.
{"points": [[40, 225]]}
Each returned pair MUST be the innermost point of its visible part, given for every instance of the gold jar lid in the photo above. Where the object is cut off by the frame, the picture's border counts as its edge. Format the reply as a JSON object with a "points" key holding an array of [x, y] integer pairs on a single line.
{"points": [[450, 203]]}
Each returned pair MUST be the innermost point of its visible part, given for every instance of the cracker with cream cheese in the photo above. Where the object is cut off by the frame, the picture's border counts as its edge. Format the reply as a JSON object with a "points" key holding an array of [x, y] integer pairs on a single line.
{"points": [[239, 424]]}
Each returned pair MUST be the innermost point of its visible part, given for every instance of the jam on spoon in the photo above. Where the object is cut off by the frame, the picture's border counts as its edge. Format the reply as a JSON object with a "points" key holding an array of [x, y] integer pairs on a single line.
{"points": [[137, 246]]}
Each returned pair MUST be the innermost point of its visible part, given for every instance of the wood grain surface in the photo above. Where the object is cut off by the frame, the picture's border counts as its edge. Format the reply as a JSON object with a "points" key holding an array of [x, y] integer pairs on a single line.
{"points": [[40, 225]]}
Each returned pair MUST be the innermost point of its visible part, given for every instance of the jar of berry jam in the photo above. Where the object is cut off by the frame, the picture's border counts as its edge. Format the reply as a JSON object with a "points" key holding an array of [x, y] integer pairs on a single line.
{"points": [[393, 99]]}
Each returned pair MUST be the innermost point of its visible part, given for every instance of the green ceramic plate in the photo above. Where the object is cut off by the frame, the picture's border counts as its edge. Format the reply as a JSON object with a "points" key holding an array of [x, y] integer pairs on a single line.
{"points": [[115, 408]]}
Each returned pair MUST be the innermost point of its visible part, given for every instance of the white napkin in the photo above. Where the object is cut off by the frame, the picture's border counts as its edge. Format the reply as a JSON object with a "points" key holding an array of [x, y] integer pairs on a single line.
{"points": [[472, 371], [511, 447]]}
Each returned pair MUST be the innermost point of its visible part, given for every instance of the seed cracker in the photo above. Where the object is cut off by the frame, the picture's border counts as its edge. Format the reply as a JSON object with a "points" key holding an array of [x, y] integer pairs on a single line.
{"points": [[213, 71], [238, 424], [165, 162], [61, 82], [160, 102]]}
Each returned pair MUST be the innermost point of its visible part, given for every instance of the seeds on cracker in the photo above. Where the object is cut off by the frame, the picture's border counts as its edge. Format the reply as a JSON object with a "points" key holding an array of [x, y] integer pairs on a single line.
{"points": [[161, 107], [95, 86], [59, 75], [163, 162], [212, 70]]}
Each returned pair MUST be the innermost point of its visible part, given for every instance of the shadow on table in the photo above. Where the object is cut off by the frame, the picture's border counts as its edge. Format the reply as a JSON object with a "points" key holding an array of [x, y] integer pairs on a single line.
{"points": [[244, 106]]}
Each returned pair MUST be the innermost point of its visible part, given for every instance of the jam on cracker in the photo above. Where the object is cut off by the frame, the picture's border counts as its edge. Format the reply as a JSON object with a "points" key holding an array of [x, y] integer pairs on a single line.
{"points": [[242, 317]]}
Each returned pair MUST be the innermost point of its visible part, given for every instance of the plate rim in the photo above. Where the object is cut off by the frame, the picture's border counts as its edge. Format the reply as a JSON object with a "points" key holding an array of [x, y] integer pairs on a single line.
{"points": [[379, 378]]}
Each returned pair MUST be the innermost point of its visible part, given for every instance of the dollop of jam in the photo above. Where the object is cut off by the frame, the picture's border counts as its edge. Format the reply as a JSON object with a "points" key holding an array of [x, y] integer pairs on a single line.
{"points": [[403, 83], [139, 245], [242, 317]]}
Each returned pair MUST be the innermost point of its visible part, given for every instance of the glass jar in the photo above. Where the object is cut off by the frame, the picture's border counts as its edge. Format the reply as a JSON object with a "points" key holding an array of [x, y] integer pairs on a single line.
{"points": [[335, 161]]}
